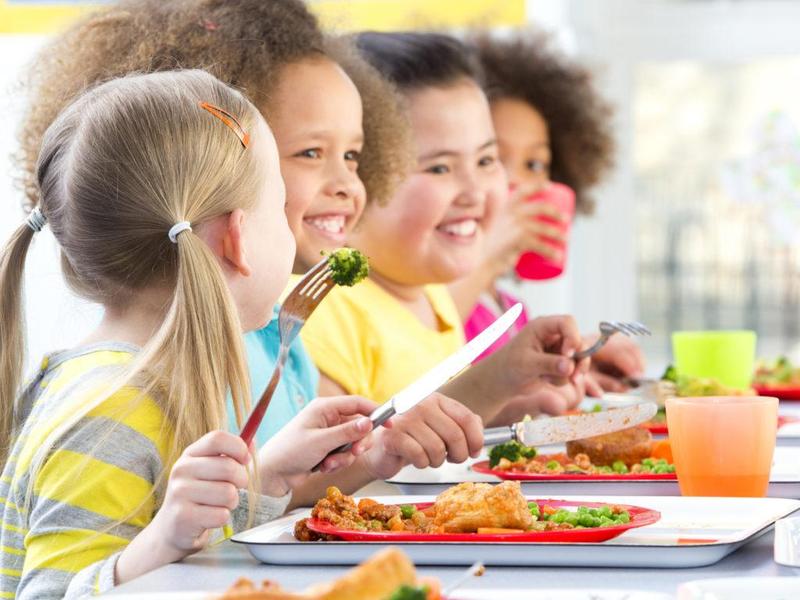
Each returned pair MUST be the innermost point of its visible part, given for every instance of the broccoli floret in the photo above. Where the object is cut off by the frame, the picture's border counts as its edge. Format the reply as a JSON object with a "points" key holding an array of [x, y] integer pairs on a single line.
{"points": [[670, 374], [348, 266], [406, 592], [512, 451]]}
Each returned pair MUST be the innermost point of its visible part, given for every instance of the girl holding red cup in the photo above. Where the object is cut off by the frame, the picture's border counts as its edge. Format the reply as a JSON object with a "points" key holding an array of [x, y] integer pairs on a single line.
{"points": [[555, 142]]}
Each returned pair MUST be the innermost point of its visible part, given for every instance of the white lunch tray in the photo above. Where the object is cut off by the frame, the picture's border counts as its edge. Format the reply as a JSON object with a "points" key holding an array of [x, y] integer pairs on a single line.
{"points": [[692, 532]]}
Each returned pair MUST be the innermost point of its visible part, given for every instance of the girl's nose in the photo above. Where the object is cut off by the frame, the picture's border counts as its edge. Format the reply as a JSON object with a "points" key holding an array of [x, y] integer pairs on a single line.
{"points": [[345, 184], [473, 192]]}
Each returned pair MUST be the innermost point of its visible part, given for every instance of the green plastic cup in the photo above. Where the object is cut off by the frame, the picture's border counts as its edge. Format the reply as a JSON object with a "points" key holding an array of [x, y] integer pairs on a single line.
{"points": [[727, 356]]}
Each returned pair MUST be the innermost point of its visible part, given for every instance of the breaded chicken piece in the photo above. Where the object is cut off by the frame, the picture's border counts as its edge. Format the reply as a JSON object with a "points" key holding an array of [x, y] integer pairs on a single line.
{"points": [[466, 507], [375, 579], [631, 446]]}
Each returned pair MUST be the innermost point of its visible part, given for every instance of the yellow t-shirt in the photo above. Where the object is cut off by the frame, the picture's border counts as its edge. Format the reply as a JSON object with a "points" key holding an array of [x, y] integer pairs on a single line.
{"points": [[373, 346]]}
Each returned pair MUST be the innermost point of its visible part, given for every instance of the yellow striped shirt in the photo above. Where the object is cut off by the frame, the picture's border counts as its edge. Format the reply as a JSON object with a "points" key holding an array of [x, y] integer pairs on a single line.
{"points": [[103, 469]]}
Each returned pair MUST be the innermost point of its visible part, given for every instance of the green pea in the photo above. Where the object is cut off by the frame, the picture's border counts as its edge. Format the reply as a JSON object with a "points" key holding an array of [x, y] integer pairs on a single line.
{"points": [[407, 510], [552, 464], [619, 467]]}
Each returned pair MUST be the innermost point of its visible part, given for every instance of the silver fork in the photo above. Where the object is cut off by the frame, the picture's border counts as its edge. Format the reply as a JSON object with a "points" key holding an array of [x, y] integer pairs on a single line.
{"points": [[609, 328], [296, 308]]}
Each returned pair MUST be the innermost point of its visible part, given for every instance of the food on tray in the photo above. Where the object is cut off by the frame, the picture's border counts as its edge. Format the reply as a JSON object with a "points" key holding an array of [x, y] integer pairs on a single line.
{"points": [[778, 373], [629, 446], [620, 452], [689, 386], [465, 508], [348, 266], [387, 575], [468, 507]]}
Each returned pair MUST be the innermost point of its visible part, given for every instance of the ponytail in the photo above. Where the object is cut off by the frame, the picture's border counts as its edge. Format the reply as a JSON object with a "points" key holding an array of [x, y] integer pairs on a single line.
{"points": [[12, 334], [197, 356]]}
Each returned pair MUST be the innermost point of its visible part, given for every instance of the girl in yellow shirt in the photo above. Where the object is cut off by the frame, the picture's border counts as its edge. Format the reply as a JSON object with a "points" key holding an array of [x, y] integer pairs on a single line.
{"points": [[377, 337]]}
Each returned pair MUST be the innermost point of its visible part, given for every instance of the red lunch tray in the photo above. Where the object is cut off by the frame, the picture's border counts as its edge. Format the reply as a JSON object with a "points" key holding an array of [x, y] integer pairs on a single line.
{"points": [[784, 392], [483, 467], [639, 518]]}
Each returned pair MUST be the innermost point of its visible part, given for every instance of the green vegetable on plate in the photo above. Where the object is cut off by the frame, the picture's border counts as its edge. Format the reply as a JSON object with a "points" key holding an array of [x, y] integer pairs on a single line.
{"points": [[511, 451]]}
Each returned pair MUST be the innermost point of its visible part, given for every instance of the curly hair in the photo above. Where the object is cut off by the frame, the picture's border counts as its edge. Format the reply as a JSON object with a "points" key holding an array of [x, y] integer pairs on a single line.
{"points": [[243, 43], [528, 68]]}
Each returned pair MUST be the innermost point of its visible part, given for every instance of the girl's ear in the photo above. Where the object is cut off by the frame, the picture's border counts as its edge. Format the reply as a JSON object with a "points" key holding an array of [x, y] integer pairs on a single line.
{"points": [[233, 245]]}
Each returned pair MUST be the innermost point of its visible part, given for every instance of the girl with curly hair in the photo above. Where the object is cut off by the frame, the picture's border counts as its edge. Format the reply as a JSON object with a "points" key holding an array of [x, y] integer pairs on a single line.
{"points": [[341, 138], [377, 337], [552, 126]]}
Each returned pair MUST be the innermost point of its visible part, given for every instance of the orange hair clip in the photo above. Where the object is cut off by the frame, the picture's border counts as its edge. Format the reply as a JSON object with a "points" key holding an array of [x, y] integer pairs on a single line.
{"points": [[229, 120]]}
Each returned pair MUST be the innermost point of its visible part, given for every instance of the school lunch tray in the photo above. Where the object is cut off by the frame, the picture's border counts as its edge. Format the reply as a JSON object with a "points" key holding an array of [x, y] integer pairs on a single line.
{"points": [[692, 532], [784, 480]]}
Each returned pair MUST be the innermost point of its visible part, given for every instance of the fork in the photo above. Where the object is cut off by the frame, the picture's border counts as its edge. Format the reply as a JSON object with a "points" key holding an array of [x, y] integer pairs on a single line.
{"points": [[296, 308], [609, 328]]}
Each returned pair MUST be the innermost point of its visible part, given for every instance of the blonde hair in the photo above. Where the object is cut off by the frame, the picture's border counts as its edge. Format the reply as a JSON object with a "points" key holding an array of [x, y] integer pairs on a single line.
{"points": [[118, 168]]}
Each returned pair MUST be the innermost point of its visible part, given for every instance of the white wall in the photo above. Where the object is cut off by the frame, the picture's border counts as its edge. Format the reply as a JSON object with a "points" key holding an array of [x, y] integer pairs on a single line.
{"points": [[56, 318]]}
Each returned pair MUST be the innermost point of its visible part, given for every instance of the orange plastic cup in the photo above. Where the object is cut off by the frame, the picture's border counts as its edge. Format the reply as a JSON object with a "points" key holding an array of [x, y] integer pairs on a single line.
{"points": [[723, 446]]}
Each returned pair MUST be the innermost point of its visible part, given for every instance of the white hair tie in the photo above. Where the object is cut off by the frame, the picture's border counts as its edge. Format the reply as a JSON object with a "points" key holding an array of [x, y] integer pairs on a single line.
{"points": [[36, 220], [177, 229]]}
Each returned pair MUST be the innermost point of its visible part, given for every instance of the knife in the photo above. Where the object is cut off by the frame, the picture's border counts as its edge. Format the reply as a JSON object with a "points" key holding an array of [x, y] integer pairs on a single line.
{"points": [[554, 430], [409, 397]]}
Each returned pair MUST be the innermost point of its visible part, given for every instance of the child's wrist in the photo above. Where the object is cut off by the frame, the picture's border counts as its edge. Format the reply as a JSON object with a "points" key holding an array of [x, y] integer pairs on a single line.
{"points": [[273, 483]]}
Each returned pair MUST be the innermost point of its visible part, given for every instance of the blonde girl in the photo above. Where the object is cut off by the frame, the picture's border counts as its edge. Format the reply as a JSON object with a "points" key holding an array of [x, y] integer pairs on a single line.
{"points": [[342, 141], [341, 136], [164, 194]]}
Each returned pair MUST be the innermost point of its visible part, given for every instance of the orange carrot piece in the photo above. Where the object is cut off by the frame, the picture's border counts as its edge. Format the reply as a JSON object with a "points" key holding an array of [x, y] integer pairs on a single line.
{"points": [[497, 530], [663, 449]]}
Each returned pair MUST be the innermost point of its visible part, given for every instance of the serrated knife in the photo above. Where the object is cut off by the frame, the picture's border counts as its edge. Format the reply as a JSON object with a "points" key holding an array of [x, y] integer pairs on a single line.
{"points": [[556, 430]]}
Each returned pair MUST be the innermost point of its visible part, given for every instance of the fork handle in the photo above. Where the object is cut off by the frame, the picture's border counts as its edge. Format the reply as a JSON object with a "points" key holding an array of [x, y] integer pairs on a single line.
{"points": [[591, 349], [257, 415]]}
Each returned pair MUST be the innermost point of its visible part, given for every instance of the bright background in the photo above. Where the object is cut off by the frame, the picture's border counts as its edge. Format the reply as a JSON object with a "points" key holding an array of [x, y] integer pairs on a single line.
{"points": [[697, 227]]}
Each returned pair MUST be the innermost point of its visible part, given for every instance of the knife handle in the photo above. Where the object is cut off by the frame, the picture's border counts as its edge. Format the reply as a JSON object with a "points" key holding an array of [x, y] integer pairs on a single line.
{"points": [[499, 435], [378, 417]]}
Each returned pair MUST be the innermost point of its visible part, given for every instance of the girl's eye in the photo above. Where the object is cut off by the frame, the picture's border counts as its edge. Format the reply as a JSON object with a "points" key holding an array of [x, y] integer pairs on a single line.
{"points": [[537, 166], [438, 169], [487, 161], [353, 155], [310, 153]]}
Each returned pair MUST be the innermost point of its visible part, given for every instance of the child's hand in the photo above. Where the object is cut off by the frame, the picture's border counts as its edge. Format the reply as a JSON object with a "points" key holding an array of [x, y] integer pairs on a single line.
{"points": [[202, 491], [435, 430], [515, 228], [620, 357], [325, 424], [545, 398], [544, 349]]}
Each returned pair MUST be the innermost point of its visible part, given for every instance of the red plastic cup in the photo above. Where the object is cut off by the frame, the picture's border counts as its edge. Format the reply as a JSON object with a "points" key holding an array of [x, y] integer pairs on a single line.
{"points": [[535, 266]]}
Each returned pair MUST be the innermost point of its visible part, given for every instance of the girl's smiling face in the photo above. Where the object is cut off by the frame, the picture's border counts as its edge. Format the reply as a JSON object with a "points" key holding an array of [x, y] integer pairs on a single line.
{"points": [[317, 124], [431, 229], [523, 141]]}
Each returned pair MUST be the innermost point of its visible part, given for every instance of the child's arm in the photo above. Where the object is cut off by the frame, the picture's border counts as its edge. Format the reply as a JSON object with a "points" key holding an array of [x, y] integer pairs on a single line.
{"points": [[202, 492], [512, 230], [540, 352], [286, 460], [436, 430], [94, 495], [620, 357]]}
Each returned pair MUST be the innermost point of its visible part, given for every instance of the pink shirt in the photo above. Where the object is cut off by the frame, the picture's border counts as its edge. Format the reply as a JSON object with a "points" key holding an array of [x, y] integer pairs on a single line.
{"points": [[485, 313]]}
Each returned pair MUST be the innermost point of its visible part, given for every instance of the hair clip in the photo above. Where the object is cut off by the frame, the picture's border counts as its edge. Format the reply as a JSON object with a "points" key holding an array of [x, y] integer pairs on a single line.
{"points": [[229, 120]]}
